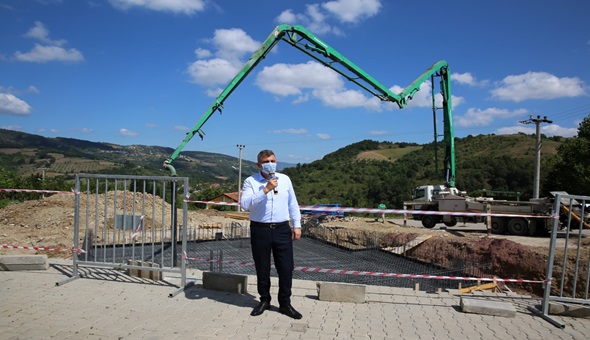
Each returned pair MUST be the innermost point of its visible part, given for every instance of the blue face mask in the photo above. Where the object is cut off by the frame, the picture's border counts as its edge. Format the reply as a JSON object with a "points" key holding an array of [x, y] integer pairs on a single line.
{"points": [[269, 168]]}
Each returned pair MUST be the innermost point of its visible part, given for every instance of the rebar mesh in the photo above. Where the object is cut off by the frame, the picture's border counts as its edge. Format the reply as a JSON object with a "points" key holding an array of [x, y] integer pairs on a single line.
{"points": [[341, 249]]}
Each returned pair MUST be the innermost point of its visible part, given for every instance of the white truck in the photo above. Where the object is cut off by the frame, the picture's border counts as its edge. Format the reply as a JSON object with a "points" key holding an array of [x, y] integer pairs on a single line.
{"points": [[531, 217]]}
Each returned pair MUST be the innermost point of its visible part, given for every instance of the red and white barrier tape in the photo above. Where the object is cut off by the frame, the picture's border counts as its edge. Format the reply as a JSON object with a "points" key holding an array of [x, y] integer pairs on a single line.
{"points": [[391, 211], [70, 250], [35, 191], [379, 274], [329, 209], [138, 229], [214, 203]]}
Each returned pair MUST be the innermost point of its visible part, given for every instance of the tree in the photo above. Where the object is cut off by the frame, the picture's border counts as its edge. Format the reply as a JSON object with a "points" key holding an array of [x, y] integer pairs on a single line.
{"points": [[571, 172]]}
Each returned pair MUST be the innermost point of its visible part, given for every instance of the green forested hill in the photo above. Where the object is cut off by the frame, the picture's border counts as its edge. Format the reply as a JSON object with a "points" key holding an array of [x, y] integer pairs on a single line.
{"points": [[362, 174], [493, 162], [26, 154]]}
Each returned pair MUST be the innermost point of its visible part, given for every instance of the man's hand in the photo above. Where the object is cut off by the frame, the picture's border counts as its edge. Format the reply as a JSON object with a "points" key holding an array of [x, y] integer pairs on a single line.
{"points": [[296, 233], [271, 184]]}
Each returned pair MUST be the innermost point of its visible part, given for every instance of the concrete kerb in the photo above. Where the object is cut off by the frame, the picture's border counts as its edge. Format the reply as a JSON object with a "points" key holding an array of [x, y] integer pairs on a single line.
{"points": [[23, 262], [341, 292], [566, 309], [487, 307], [232, 283]]}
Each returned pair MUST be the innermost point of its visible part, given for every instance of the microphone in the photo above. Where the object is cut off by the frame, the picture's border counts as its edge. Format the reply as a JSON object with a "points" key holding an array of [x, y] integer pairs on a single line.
{"points": [[272, 175]]}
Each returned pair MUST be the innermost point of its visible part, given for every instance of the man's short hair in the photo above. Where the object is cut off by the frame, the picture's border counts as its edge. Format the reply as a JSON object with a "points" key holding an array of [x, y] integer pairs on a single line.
{"points": [[264, 153]]}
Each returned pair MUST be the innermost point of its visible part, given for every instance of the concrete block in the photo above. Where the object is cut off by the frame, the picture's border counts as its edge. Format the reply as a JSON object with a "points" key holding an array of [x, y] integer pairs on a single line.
{"points": [[225, 282], [569, 309], [341, 292], [487, 307], [144, 273], [23, 262]]}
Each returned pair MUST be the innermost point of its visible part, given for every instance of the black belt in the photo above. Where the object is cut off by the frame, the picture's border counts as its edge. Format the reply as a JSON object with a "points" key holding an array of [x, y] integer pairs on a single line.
{"points": [[269, 225]]}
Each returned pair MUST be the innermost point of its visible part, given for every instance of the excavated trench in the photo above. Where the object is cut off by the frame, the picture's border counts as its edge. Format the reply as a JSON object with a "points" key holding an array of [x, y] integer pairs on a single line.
{"points": [[234, 256], [313, 253]]}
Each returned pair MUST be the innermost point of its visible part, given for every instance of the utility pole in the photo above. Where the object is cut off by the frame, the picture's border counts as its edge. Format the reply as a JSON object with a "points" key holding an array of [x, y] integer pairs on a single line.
{"points": [[537, 121], [43, 180], [240, 146]]}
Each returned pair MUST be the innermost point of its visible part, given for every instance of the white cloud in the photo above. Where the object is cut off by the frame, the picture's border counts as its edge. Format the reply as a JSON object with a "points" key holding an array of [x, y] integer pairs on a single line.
{"points": [[467, 79], [42, 130], [378, 132], [202, 53], [423, 98], [231, 45], [538, 85], [290, 131], [128, 133], [288, 17], [556, 130], [323, 136], [187, 7], [50, 50], [316, 14], [352, 11], [347, 98], [42, 54], [476, 117], [181, 128], [39, 32], [212, 72], [292, 79], [13, 105], [292, 157], [33, 89], [315, 80], [84, 130], [548, 130], [12, 127]]}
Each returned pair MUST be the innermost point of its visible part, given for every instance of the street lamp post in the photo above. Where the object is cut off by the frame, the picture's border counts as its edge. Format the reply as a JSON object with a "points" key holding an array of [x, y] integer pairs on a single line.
{"points": [[240, 146]]}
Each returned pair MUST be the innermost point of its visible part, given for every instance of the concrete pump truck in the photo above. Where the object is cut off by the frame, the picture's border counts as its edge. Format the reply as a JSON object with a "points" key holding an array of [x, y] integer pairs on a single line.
{"points": [[439, 198], [303, 40]]}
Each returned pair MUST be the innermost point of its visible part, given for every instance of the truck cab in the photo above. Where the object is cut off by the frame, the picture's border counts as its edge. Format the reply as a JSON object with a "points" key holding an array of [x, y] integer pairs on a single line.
{"points": [[433, 197], [429, 192]]}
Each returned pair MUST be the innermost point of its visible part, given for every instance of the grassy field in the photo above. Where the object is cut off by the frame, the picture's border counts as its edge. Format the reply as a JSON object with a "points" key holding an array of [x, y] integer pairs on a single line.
{"points": [[391, 154]]}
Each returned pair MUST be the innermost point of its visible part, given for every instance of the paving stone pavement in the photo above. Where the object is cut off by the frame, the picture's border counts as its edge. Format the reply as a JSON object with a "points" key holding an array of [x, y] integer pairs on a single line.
{"points": [[107, 304]]}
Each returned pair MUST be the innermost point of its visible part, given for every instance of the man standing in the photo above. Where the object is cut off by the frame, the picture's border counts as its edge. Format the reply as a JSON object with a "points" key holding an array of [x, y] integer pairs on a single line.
{"points": [[271, 200], [382, 206]]}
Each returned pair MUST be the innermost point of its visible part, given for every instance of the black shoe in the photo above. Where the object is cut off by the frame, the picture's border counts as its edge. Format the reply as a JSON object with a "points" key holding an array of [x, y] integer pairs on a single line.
{"points": [[289, 311], [262, 306]]}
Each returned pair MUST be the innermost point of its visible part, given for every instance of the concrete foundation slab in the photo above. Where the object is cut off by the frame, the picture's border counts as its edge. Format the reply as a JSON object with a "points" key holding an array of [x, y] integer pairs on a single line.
{"points": [[225, 282], [23, 262], [341, 292], [487, 307]]}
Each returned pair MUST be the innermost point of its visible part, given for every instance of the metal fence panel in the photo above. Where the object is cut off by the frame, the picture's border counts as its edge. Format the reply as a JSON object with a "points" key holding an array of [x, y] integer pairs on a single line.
{"points": [[132, 223], [568, 266]]}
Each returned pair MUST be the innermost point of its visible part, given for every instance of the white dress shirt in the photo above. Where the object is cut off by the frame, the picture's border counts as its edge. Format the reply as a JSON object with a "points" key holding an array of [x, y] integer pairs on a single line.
{"points": [[271, 207]]}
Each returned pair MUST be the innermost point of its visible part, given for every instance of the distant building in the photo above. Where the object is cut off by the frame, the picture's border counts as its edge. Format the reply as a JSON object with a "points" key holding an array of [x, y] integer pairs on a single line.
{"points": [[231, 197]]}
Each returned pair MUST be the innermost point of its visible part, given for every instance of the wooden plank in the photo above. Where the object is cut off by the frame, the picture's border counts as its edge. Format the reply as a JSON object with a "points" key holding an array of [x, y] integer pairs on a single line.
{"points": [[409, 245], [238, 216]]}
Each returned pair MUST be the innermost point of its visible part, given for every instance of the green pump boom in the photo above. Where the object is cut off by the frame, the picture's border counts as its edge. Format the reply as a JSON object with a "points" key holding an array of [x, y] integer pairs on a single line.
{"points": [[300, 38]]}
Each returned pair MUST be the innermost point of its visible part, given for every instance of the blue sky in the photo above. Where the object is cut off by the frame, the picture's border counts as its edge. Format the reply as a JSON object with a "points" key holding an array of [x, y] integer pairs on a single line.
{"points": [[145, 71]]}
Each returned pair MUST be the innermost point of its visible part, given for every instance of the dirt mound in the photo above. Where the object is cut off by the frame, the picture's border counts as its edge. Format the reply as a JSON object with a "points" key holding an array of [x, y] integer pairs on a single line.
{"points": [[501, 258], [49, 223]]}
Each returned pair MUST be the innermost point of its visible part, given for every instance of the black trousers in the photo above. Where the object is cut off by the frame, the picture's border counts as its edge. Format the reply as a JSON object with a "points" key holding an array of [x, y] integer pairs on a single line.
{"points": [[276, 239]]}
